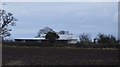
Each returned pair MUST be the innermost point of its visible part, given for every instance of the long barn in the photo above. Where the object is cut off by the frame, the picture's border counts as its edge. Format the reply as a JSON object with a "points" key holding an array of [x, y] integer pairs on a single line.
{"points": [[63, 38]]}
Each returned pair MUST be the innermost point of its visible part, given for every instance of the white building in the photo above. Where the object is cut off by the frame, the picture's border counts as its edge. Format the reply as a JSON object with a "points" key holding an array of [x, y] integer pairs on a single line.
{"points": [[70, 38]]}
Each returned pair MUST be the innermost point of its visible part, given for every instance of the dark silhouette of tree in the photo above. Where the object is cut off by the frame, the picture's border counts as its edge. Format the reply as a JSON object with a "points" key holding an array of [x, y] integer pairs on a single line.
{"points": [[6, 20], [51, 37], [106, 39], [44, 31], [64, 32], [85, 39]]}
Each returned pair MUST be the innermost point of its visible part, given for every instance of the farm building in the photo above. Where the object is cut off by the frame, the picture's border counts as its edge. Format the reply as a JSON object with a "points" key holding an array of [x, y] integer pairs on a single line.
{"points": [[63, 38]]}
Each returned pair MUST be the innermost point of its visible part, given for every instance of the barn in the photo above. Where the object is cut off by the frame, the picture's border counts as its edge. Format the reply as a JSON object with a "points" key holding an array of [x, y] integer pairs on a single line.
{"points": [[63, 38]]}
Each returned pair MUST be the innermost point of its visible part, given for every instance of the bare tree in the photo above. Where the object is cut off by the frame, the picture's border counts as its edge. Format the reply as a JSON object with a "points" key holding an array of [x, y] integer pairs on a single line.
{"points": [[64, 32], [85, 39], [6, 20], [44, 31]]}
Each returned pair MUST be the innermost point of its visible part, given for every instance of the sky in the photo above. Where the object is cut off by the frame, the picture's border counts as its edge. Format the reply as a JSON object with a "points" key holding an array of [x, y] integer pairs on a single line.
{"points": [[60, 0], [77, 17]]}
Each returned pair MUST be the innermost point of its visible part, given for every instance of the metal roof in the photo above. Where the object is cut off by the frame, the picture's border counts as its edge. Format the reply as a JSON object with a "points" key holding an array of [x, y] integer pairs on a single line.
{"points": [[62, 37]]}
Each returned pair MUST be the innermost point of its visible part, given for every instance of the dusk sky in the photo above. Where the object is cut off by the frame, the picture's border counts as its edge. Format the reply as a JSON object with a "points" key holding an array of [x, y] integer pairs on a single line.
{"points": [[76, 17]]}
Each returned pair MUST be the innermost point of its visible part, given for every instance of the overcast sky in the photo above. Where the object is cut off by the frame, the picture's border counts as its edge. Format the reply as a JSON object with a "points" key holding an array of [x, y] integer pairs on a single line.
{"points": [[76, 17], [60, 0]]}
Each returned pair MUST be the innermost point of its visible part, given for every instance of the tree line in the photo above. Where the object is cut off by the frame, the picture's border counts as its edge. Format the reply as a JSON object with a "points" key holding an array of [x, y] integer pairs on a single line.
{"points": [[84, 38]]}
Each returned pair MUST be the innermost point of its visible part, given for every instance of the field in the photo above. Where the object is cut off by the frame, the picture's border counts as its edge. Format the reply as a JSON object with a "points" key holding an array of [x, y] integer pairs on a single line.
{"points": [[59, 56]]}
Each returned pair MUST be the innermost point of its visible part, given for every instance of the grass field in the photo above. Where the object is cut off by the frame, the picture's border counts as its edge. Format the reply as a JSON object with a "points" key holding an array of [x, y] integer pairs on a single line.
{"points": [[59, 56]]}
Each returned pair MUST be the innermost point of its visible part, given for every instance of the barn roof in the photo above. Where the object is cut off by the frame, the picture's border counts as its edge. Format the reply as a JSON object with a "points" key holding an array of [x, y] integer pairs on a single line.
{"points": [[62, 37]]}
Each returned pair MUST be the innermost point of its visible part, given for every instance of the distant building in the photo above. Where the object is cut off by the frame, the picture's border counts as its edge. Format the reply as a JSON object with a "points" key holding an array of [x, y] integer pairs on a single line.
{"points": [[70, 39]]}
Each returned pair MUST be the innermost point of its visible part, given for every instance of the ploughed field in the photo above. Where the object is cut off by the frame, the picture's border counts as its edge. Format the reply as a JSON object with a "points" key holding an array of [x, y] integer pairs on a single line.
{"points": [[58, 56]]}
